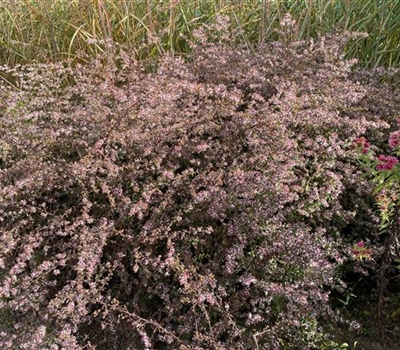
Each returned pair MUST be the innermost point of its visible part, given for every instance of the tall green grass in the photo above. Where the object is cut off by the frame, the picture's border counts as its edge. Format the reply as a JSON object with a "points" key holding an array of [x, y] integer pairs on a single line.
{"points": [[50, 30]]}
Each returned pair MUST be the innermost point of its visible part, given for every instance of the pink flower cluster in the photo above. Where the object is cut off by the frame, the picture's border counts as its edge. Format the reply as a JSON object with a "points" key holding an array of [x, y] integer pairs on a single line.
{"points": [[394, 139], [386, 162], [361, 143]]}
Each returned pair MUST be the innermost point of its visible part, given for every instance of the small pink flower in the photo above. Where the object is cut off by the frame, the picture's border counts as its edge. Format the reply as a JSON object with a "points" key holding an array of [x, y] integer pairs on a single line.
{"points": [[360, 244], [169, 175], [202, 147]]}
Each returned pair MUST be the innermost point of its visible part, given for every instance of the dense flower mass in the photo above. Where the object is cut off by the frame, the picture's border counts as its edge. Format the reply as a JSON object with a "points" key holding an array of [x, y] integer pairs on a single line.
{"points": [[196, 206]]}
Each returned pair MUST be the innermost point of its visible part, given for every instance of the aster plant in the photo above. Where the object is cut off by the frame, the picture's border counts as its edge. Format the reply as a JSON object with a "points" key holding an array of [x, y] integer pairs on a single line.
{"points": [[195, 206]]}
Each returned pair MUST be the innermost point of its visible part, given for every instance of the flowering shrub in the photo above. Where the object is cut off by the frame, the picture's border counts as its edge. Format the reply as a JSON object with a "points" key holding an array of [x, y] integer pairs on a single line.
{"points": [[196, 207]]}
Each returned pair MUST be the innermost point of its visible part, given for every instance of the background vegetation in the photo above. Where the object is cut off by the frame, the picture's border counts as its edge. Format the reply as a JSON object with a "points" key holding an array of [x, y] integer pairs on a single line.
{"points": [[48, 30]]}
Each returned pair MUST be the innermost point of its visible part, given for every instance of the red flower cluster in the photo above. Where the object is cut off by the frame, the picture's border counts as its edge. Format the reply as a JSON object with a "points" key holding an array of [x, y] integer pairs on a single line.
{"points": [[359, 251], [361, 143], [386, 162]]}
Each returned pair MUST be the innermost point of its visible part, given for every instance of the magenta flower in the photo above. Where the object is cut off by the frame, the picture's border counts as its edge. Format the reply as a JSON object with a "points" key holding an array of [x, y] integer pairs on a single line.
{"points": [[362, 144], [386, 162], [394, 140]]}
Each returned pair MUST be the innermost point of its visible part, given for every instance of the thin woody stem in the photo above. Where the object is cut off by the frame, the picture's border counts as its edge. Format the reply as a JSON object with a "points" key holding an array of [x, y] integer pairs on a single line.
{"points": [[383, 279]]}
